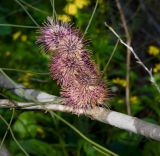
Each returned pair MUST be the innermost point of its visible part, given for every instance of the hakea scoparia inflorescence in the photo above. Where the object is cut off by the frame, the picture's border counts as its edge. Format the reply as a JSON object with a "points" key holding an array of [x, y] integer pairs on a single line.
{"points": [[71, 65]]}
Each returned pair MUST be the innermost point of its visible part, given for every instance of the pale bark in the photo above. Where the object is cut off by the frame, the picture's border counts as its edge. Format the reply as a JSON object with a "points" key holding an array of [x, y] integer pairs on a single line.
{"points": [[113, 118], [52, 103]]}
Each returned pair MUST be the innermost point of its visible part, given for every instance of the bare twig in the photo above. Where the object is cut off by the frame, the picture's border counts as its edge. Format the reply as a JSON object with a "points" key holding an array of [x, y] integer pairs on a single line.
{"points": [[113, 118], [128, 58], [149, 71], [53, 103], [39, 99]]}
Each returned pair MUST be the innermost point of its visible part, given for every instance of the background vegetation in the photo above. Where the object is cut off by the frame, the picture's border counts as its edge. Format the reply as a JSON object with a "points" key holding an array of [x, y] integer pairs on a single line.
{"points": [[37, 132]]}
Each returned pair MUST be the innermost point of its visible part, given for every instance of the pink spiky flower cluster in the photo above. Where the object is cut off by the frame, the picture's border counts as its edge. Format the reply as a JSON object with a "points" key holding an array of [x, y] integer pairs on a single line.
{"points": [[71, 65]]}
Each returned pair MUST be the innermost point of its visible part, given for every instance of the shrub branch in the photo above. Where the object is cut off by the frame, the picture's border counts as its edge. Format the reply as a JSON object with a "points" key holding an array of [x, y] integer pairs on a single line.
{"points": [[149, 71], [52, 103]]}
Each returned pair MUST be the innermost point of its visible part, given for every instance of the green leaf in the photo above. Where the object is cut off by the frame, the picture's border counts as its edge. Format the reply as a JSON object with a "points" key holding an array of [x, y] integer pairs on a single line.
{"points": [[151, 148], [34, 147], [26, 125]]}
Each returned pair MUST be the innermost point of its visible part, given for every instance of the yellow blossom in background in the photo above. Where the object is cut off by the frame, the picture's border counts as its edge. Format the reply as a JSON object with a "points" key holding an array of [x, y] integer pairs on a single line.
{"points": [[29, 74], [41, 132], [64, 18], [134, 100], [16, 35], [71, 9], [81, 3], [156, 69], [119, 81], [26, 84], [120, 101], [24, 38], [8, 53], [25, 79], [153, 50]]}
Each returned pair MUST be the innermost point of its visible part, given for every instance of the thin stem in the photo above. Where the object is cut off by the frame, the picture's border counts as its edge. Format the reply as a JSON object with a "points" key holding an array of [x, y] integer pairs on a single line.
{"points": [[54, 14], [34, 8], [16, 141], [152, 79], [105, 68], [24, 71], [18, 26], [17, 1], [83, 136], [100, 151], [91, 18], [18, 10], [9, 125]]}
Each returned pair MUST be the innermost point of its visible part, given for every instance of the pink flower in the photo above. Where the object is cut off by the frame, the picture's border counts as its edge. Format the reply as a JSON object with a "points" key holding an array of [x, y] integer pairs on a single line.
{"points": [[51, 34], [81, 96], [72, 66], [64, 69]]}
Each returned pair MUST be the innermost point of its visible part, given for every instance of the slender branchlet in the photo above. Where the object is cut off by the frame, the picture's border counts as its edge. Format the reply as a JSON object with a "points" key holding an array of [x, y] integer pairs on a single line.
{"points": [[71, 65]]}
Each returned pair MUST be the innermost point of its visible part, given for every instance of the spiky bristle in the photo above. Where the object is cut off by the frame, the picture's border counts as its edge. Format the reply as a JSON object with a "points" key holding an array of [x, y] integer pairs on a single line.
{"points": [[72, 66]]}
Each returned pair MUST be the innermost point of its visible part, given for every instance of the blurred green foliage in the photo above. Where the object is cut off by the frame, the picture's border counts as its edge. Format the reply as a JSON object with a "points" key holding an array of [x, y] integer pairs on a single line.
{"points": [[37, 132]]}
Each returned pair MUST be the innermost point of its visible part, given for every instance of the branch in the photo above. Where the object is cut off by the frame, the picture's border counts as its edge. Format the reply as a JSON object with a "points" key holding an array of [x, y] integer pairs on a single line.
{"points": [[18, 89], [149, 71], [51, 102], [113, 118]]}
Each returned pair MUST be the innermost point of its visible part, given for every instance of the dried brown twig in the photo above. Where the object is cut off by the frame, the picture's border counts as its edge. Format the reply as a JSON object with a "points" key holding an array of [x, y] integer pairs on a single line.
{"points": [[128, 58]]}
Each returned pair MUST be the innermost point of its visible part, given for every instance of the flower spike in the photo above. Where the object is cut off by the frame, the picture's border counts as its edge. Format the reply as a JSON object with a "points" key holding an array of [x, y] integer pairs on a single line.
{"points": [[71, 65]]}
